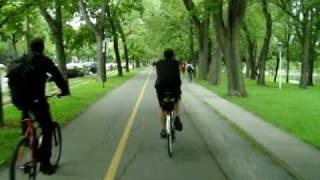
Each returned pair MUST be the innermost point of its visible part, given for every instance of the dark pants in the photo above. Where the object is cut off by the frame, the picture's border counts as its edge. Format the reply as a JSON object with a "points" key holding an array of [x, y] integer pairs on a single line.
{"points": [[161, 90], [190, 73], [41, 113]]}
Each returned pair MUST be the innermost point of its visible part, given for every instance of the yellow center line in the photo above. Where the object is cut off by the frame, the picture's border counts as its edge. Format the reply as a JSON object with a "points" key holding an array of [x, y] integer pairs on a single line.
{"points": [[113, 167]]}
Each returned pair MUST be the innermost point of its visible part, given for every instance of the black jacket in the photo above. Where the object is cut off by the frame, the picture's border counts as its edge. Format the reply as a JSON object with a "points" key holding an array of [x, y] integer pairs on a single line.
{"points": [[44, 66], [168, 73]]}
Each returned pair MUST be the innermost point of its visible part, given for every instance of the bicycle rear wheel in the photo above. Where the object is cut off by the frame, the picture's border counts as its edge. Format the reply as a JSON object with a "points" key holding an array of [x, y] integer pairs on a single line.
{"points": [[170, 135], [56, 145], [23, 165]]}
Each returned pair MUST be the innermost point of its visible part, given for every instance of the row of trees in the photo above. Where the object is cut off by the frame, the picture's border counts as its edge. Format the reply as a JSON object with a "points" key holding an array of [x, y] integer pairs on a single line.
{"points": [[214, 31], [241, 32], [236, 22], [98, 22], [104, 20]]}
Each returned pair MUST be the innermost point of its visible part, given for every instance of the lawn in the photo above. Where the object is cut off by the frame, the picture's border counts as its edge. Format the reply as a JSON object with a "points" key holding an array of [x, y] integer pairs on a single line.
{"points": [[63, 110], [291, 109]]}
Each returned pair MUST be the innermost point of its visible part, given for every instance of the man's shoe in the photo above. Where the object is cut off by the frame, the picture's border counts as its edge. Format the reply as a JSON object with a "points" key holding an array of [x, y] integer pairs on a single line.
{"points": [[163, 133], [47, 168], [177, 124]]}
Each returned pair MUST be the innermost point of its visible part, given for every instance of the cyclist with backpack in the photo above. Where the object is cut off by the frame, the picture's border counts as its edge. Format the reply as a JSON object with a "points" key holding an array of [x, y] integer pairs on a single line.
{"points": [[168, 79], [27, 77]]}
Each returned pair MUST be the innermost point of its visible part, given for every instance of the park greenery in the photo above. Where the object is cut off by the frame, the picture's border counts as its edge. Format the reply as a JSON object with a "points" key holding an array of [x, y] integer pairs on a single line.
{"points": [[83, 95], [239, 39]]}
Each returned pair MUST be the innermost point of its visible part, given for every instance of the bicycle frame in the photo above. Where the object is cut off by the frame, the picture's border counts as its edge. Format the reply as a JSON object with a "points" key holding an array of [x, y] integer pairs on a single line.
{"points": [[169, 121], [30, 135]]}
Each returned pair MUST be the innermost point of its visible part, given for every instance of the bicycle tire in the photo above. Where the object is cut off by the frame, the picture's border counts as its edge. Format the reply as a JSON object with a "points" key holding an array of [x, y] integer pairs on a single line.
{"points": [[23, 169], [170, 138], [170, 148], [56, 145]]}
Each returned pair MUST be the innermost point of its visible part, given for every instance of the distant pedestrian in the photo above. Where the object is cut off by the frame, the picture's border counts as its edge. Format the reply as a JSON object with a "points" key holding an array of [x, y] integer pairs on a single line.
{"points": [[190, 70]]}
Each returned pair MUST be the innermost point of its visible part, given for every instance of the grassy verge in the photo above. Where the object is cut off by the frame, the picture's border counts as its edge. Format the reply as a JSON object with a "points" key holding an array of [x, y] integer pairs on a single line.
{"points": [[291, 109], [63, 110]]}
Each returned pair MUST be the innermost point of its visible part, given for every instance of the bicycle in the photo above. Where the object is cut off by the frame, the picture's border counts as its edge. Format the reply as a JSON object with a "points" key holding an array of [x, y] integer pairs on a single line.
{"points": [[26, 154], [168, 105]]}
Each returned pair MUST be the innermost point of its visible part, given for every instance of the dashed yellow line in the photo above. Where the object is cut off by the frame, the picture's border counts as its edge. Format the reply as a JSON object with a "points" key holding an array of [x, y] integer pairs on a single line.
{"points": [[113, 167]]}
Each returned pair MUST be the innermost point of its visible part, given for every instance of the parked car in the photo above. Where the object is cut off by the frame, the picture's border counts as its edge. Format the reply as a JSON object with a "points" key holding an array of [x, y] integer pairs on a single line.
{"points": [[75, 72], [90, 67]]}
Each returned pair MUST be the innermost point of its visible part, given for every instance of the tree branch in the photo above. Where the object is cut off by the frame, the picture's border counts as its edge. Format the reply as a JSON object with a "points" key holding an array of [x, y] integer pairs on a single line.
{"points": [[284, 6], [190, 6], [5, 20], [13, 14], [48, 18], [219, 25], [84, 13]]}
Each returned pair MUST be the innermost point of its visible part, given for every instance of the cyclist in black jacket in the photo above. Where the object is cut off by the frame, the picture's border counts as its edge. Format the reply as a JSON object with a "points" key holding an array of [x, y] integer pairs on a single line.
{"points": [[39, 106], [168, 79]]}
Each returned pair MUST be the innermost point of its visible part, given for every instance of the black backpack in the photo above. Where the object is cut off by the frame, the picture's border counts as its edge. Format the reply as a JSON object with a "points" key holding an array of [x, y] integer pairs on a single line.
{"points": [[21, 73], [190, 69]]}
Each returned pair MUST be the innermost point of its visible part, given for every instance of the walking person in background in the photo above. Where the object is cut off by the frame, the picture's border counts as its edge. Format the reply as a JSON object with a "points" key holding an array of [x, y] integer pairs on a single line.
{"points": [[190, 70]]}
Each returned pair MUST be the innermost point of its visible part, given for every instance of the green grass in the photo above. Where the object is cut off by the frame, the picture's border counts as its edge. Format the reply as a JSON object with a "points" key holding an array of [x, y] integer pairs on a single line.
{"points": [[63, 110], [291, 109]]}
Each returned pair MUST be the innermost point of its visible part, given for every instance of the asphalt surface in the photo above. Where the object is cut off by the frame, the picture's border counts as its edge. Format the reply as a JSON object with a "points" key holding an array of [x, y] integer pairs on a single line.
{"points": [[208, 148]]}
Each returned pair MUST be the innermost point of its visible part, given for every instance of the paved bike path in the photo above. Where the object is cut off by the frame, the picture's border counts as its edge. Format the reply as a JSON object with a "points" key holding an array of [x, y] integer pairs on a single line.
{"points": [[208, 148]]}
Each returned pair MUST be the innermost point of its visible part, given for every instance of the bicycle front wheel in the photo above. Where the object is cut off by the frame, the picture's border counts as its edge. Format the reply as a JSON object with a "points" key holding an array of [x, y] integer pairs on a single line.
{"points": [[23, 165], [56, 145]]}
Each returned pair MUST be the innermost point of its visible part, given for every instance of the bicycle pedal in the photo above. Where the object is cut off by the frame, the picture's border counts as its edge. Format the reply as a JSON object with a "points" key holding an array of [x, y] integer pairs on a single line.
{"points": [[25, 168]]}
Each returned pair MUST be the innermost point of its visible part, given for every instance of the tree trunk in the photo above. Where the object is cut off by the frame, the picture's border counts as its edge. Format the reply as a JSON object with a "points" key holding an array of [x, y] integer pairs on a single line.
{"points": [[276, 70], [101, 55], [14, 45], [138, 65], [1, 103], [116, 50], [57, 30], [191, 35], [251, 59], [133, 62], [215, 67], [115, 40], [288, 62], [98, 30], [311, 68], [265, 49], [236, 10], [60, 53], [233, 62], [306, 52], [126, 53], [247, 66], [203, 38]]}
